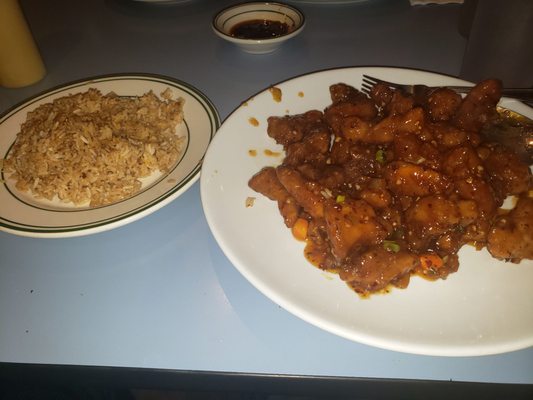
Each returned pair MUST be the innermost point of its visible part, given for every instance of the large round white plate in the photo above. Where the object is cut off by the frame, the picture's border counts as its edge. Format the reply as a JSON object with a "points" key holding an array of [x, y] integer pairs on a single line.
{"points": [[484, 308], [22, 214]]}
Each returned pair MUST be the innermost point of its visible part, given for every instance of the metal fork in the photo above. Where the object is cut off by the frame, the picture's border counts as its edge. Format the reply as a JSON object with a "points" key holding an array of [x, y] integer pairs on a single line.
{"points": [[524, 94]]}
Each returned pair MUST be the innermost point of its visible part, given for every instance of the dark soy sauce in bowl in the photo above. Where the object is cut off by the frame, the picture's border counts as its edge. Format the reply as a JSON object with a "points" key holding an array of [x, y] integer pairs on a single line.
{"points": [[258, 29]]}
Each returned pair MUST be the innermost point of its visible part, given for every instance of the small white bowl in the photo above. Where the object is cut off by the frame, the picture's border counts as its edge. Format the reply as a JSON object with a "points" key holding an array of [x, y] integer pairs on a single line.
{"points": [[226, 20]]}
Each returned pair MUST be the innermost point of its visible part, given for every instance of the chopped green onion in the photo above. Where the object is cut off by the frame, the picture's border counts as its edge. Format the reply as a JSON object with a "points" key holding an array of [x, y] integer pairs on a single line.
{"points": [[340, 198], [391, 246], [380, 156]]}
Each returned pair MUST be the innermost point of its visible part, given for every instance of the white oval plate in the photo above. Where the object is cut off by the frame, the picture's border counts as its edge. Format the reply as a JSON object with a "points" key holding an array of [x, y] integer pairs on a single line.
{"points": [[484, 308], [22, 214]]}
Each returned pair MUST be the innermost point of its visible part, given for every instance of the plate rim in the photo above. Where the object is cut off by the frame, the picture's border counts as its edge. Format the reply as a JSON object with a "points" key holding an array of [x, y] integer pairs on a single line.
{"points": [[301, 311], [125, 216]]}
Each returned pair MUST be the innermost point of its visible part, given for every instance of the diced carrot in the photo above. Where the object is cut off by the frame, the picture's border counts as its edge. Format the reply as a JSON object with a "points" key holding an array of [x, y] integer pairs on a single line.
{"points": [[431, 261], [299, 229]]}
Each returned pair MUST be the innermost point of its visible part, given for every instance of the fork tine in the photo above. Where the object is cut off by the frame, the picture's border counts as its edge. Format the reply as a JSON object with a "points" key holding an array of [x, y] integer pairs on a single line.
{"points": [[366, 88], [370, 80]]}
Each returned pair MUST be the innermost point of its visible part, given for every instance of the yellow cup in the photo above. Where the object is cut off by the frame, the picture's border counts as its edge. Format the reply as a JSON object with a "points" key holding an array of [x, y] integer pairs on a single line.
{"points": [[20, 61]]}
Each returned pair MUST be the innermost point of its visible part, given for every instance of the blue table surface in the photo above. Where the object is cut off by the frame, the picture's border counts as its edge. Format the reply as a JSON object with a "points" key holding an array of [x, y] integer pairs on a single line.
{"points": [[159, 292]]}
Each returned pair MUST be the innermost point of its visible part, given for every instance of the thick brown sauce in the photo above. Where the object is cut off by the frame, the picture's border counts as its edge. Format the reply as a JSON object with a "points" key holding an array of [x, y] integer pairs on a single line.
{"points": [[259, 29]]}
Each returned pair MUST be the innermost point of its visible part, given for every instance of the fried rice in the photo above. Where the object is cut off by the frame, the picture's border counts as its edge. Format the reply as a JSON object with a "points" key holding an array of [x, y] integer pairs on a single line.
{"points": [[94, 149]]}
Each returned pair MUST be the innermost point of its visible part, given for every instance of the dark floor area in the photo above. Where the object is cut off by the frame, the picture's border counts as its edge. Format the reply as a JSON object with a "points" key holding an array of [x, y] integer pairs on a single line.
{"points": [[70, 382], [49, 393]]}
